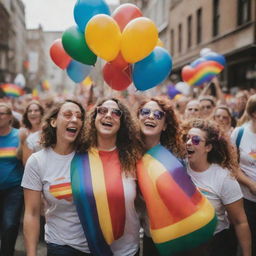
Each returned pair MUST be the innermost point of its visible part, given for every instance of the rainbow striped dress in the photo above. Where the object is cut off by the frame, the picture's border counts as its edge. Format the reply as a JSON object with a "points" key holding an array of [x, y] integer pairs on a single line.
{"points": [[181, 218]]}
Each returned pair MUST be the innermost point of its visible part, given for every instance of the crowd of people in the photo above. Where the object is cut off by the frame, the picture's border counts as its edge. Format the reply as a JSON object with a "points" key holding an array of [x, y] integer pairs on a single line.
{"points": [[76, 167]]}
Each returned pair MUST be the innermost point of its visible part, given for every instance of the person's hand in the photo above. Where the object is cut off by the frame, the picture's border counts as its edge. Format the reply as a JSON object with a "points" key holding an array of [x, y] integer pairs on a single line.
{"points": [[252, 187]]}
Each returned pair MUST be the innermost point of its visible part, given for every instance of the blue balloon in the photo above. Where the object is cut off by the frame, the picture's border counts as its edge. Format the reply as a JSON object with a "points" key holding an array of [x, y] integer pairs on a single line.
{"points": [[196, 62], [84, 10], [152, 70], [77, 71], [213, 56]]}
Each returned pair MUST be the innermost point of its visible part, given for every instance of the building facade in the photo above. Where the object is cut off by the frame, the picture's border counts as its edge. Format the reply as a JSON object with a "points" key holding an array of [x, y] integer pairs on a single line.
{"points": [[226, 27], [12, 39]]}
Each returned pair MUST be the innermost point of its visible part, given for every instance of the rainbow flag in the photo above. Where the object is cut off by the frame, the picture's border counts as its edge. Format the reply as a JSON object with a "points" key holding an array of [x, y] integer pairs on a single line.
{"points": [[181, 218], [12, 90], [35, 94], [253, 154], [97, 188], [46, 85]]}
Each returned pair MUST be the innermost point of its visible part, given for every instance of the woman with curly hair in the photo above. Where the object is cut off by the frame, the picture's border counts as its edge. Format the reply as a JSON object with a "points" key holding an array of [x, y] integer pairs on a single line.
{"points": [[212, 165], [104, 180], [164, 184], [32, 121], [48, 172]]}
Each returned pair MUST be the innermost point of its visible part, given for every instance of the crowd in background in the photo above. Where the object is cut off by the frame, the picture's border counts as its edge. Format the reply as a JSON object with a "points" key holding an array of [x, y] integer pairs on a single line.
{"points": [[23, 124]]}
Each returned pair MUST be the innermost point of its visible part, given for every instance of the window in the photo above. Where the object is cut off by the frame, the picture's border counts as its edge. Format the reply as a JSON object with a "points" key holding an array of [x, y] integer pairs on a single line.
{"points": [[243, 11], [189, 27], [199, 26], [216, 17], [180, 37], [172, 42]]}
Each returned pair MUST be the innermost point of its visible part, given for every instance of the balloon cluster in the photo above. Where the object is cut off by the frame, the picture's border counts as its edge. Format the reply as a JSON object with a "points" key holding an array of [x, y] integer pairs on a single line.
{"points": [[127, 41], [203, 69]]}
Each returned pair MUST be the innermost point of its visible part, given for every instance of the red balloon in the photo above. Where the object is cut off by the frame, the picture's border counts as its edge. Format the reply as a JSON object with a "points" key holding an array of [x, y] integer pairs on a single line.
{"points": [[119, 62], [58, 54], [118, 79], [125, 13]]}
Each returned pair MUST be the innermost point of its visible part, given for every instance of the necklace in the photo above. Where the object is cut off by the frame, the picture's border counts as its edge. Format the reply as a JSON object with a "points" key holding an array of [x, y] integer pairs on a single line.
{"points": [[109, 149]]}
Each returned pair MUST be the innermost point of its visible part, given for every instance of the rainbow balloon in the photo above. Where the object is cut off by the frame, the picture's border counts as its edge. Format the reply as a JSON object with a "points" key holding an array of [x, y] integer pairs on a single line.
{"points": [[181, 218], [12, 90], [203, 72], [98, 193]]}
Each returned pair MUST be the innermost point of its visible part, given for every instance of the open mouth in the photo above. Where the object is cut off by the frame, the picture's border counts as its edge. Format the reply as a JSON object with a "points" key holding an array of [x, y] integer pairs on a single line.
{"points": [[72, 130], [190, 152], [150, 124], [108, 124]]}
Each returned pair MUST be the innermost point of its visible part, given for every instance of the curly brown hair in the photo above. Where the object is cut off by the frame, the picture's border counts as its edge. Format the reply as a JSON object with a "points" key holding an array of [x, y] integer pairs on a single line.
{"points": [[48, 135], [128, 141], [25, 119], [170, 137], [223, 152]]}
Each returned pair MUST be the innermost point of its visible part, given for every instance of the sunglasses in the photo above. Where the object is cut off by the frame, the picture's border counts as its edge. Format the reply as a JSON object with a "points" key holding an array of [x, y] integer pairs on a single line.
{"points": [[115, 113], [69, 115], [194, 139], [157, 113]]}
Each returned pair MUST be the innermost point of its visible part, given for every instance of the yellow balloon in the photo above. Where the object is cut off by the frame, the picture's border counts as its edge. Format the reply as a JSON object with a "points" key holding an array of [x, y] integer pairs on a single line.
{"points": [[103, 36], [160, 43], [139, 38]]}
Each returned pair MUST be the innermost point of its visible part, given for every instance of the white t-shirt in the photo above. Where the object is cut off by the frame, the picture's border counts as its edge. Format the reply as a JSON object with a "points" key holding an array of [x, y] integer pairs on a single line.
{"points": [[49, 172], [33, 141], [247, 149], [219, 188]]}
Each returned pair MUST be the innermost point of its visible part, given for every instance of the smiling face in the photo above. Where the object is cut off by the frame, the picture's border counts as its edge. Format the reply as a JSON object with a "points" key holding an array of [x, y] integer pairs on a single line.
{"points": [[192, 110], [196, 146], [107, 121], [68, 123], [222, 117], [34, 114], [152, 120], [5, 117]]}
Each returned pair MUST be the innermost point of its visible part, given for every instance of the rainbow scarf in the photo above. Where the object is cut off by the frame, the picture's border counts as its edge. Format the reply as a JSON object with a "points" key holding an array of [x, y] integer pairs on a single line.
{"points": [[97, 188], [180, 217]]}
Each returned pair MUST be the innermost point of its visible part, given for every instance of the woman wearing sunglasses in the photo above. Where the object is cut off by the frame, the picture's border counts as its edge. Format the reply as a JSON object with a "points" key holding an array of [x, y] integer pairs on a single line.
{"points": [[163, 182], [48, 172], [104, 180], [212, 165]]}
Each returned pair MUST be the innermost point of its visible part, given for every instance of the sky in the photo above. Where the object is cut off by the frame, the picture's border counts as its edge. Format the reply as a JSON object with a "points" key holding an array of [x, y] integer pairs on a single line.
{"points": [[53, 15]]}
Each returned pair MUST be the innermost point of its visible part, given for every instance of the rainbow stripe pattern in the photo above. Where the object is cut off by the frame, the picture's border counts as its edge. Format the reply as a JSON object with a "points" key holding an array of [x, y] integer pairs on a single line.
{"points": [[61, 191], [253, 154], [181, 218], [98, 193], [12, 90], [204, 72], [8, 152]]}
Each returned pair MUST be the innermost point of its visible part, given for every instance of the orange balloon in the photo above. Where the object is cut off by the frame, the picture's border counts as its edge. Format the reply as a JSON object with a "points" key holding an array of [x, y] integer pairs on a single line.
{"points": [[160, 43], [139, 38], [103, 36]]}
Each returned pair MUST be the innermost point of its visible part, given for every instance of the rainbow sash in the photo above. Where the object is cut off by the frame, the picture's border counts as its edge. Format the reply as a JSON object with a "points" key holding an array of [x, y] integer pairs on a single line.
{"points": [[180, 217], [97, 187]]}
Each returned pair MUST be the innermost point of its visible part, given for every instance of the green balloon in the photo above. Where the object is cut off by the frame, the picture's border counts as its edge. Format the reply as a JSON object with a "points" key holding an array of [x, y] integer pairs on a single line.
{"points": [[76, 47]]}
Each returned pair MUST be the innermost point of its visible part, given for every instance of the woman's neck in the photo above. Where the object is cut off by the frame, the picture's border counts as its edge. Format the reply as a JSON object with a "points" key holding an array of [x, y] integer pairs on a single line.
{"points": [[106, 144], [199, 166], [150, 142], [253, 126], [35, 127], [63, 148]]}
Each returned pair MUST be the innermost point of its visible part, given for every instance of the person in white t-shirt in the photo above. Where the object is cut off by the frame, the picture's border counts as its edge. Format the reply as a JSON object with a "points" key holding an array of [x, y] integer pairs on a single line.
{"points": [[108, 165], [48, 171], [244, 138], [212, 166]]}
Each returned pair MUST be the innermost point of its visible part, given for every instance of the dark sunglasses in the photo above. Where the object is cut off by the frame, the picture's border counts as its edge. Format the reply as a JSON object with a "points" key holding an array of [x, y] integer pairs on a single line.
{"points": [[115, 113], [194, 139], [157, 113]]}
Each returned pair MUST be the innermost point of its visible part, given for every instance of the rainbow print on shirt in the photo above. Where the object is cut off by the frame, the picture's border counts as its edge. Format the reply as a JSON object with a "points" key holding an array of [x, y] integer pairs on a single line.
{"points": [[61, 191], [253, 154], [9, 152]]}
